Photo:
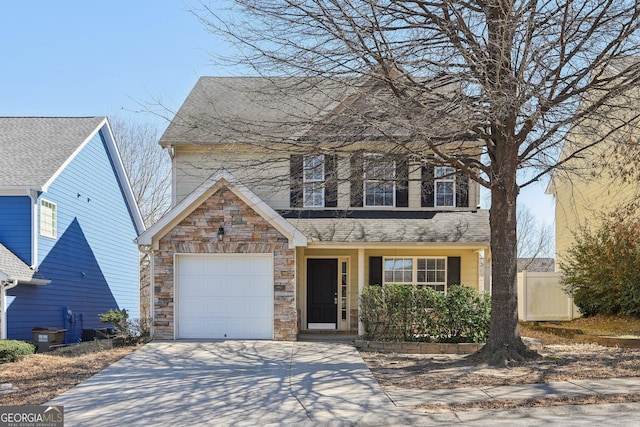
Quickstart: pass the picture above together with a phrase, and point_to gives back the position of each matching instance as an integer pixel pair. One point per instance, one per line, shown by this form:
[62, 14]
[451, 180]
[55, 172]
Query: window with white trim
[379, 181]
[48, 219]
[313, 176]
[445, 186]
[422, 271]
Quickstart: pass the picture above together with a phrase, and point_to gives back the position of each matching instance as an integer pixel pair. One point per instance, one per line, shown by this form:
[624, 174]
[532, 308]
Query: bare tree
[519, 76]
[147, 164]
[535, 239]
[149, 170]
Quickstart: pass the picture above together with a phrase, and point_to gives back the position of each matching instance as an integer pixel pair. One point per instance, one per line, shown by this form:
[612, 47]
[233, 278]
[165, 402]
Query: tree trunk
[504, 344]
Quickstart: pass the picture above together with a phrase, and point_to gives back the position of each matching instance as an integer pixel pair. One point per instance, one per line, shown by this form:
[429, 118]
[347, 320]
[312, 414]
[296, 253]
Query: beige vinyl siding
[581, 201]
[266, 174]
[469, 260]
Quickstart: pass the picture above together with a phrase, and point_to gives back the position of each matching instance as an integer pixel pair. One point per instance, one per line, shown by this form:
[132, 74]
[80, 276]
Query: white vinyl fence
[540, 297]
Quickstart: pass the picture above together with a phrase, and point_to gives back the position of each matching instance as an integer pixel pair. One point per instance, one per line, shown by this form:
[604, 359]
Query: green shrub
[601, 270]
[410, 313]
[464, 315]
[11, 350]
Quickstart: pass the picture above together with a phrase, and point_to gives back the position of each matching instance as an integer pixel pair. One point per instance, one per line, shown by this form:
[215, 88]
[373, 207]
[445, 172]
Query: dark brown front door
[322, 292]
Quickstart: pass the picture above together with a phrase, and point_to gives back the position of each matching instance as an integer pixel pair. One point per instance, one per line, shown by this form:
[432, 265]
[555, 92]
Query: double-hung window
[445, 186]
[379, 181]
[422, 271]
[48, 219]
[313, 177]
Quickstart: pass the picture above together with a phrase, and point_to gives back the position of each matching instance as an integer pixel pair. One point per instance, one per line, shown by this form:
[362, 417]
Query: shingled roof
[12, 268]
[242, 109]
[443, 227]
[34, 148]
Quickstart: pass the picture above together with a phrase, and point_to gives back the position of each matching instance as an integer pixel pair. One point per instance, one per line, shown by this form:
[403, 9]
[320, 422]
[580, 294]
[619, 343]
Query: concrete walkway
[575, 388]
[283, 383]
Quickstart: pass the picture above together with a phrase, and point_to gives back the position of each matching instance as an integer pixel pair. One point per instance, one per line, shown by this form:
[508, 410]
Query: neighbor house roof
[13, 268]
[468, 227]
[35, 148]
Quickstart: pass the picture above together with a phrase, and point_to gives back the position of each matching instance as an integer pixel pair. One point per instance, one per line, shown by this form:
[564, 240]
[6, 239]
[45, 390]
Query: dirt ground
[38, 378]
[561, 359]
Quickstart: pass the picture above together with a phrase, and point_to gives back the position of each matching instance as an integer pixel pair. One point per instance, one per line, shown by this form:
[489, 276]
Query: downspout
[174, 175]
[5, 285]
[34, 229]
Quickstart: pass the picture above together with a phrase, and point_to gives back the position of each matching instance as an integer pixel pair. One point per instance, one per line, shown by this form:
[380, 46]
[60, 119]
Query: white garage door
[224, 296]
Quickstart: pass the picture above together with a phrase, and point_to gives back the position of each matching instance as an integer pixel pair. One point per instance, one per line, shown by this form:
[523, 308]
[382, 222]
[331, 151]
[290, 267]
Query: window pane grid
[313, 181]
[426, 271]
[48, 219]
[379, 185]
[445, 186]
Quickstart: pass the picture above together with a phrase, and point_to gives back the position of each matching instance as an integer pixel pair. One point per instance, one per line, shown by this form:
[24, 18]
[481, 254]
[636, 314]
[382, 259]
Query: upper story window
[445, 186]
[424, 271]
[313, 177]
[379, 181]
[48, 219]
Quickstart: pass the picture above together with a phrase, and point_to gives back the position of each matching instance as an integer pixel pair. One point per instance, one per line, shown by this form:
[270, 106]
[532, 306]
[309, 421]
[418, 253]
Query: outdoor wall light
[220, 234]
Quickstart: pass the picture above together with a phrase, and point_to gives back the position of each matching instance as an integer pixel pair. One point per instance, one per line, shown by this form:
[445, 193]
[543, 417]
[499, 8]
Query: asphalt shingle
[34, 148]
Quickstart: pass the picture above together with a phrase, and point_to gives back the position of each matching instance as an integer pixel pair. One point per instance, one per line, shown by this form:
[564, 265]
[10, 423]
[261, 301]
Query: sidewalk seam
[306, 412]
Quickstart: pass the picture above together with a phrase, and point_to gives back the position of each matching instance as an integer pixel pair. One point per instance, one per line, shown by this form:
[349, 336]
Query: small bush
[410, 313]
[128, 332]
[12, 351]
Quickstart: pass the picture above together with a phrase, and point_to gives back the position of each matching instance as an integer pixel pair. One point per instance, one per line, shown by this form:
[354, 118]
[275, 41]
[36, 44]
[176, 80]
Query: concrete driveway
[232, 382]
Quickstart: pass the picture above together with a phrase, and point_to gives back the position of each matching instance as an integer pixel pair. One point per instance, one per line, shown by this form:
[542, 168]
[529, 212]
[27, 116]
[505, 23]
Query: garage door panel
[222, 296]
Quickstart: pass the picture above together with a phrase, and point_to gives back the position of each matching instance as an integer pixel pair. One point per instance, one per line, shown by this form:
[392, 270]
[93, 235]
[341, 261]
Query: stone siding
[245, 232]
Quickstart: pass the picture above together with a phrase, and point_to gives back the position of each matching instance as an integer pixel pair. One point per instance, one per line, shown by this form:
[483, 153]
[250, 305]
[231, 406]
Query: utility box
[46, 338]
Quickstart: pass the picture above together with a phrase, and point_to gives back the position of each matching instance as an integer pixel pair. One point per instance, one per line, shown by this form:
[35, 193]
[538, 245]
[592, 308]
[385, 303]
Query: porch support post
[487, 270]
[5, 285]
[360, 287]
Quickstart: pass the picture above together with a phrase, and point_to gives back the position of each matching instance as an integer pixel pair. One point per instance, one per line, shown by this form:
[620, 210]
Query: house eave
[315, 244]
[152, 236]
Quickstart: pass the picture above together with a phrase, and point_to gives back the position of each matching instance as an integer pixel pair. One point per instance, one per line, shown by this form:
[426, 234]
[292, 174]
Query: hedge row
[421, 314]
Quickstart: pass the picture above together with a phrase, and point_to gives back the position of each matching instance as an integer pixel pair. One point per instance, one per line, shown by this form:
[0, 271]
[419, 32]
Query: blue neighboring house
[68, 220]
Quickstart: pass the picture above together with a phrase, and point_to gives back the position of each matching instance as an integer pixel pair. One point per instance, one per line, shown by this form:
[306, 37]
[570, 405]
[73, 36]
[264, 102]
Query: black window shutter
[357, 176]
[402, 183]
[330, 182]
[453, 270]
[428, 190]
[375, 271]
[296, 190]
[462, 190]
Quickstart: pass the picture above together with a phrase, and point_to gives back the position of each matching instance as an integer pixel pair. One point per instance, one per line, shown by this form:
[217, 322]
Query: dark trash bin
[46, 338]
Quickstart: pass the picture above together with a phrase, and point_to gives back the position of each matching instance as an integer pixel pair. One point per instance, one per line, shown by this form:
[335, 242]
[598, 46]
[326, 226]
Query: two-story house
[284, 209]
[68, 220]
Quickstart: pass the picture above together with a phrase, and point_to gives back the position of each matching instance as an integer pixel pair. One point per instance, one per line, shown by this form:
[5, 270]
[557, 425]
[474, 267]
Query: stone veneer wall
[245, 232]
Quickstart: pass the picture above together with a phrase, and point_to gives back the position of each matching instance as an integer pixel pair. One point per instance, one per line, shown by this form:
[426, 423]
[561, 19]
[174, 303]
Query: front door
[322, 293]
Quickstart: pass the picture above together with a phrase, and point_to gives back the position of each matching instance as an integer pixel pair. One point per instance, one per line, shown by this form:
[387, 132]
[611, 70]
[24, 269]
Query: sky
[119, 58]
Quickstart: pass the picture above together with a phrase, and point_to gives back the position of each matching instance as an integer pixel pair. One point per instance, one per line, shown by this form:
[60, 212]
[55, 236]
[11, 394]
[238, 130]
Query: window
[445, 187]
[424, 271]
[48, 219]
[313, 181]
[379, 181]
